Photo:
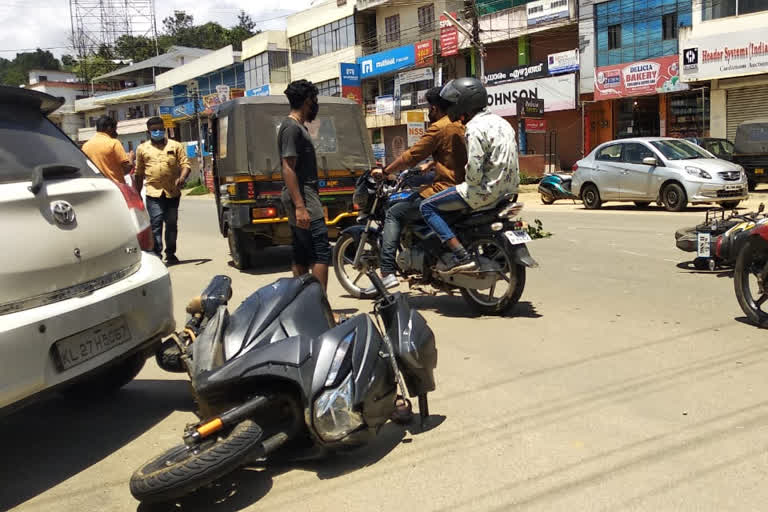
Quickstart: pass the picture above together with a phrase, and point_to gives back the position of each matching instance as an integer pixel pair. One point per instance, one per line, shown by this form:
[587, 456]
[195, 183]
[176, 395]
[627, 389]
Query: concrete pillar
[717, 111]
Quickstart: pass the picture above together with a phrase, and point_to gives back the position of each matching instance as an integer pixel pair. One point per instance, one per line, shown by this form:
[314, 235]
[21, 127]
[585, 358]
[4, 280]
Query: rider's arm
[475, 158]
[423, 148]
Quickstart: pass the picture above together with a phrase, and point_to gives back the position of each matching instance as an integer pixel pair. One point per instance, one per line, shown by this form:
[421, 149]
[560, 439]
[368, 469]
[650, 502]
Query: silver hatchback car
[672, 172]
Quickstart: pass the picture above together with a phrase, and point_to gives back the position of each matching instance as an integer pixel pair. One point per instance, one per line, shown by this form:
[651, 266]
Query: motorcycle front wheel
[749, 280]
[354, 280]
[182, 469]
[507, 290]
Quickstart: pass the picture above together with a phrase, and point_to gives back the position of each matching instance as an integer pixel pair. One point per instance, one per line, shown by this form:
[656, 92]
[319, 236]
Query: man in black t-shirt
[301, 197]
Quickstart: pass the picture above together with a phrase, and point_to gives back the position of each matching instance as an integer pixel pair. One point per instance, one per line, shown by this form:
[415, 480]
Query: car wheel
[591, 197]
[674, 196]
[642, 204]
[729, 205]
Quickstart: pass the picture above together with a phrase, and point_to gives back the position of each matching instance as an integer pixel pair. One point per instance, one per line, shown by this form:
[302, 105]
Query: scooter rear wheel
[182, 469]
[547, 199]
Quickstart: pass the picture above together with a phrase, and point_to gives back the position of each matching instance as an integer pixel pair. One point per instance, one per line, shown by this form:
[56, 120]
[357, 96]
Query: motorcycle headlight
[695, 171]
[334, 417]
[338, 359]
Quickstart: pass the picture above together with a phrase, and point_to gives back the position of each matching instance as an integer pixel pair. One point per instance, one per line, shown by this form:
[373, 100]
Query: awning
[111, 98]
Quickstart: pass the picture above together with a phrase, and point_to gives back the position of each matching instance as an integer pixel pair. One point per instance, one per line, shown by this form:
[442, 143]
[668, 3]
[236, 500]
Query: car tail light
[139, 215]
[575, 167]
[264, 213]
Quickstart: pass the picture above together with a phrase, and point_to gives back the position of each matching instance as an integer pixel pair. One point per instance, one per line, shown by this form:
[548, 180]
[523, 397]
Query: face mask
[157, 135]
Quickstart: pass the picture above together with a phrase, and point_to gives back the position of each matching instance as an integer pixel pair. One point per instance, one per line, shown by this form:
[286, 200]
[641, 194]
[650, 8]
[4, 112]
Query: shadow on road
[629, 207]
[269, 261]
[456, 307]
[197, 262]
[691, 269]
[51, 441]
[246, 486]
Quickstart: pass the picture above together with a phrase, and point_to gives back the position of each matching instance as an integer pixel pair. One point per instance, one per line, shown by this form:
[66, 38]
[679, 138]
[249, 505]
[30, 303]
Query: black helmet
[466, 95]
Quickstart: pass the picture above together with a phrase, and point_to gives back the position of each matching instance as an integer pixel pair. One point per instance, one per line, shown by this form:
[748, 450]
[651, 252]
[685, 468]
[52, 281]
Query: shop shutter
[744, 104]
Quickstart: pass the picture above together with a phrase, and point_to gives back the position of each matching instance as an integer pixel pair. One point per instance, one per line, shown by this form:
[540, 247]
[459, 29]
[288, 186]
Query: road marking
[671, 261]
[634, 253]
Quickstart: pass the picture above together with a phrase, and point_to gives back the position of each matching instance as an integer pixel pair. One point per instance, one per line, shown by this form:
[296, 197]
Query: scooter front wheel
[183, 469]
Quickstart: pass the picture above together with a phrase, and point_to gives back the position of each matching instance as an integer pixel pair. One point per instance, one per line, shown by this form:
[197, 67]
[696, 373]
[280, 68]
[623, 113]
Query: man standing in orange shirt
[107, 152]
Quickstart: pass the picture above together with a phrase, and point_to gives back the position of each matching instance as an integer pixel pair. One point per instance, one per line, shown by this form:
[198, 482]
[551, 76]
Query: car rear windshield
[28, 140]
[679, 150]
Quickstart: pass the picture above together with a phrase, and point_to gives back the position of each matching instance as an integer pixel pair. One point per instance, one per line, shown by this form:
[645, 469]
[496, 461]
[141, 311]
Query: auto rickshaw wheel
[239, 248]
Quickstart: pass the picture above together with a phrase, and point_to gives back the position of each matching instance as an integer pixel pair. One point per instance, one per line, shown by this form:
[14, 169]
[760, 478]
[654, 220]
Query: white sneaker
[390, 281]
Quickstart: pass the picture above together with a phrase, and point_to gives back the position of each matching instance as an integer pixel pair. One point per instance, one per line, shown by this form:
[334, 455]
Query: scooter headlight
[334, 417]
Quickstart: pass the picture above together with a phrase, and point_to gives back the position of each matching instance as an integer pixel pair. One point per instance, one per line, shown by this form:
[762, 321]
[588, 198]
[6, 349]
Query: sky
[46, 23]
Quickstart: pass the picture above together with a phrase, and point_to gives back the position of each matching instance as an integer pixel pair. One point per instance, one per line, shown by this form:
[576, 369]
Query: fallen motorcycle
[750, 276]
[556, 186]
[278, 372]
[719, 238]
[493, 235]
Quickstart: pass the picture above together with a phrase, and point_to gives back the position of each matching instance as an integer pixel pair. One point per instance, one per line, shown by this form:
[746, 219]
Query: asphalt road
[622, 381]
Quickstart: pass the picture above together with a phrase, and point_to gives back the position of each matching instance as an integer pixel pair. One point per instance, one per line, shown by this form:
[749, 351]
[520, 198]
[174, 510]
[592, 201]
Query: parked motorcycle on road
[750, 276]
[556, 186]
[493, 235]
[278, 372]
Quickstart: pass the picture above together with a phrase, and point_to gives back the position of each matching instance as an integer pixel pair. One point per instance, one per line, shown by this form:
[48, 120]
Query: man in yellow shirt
[163, 167]
[107, 152]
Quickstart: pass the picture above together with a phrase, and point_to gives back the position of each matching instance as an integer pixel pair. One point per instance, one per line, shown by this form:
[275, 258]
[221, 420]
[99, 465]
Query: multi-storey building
[266, 60]
[65, 85]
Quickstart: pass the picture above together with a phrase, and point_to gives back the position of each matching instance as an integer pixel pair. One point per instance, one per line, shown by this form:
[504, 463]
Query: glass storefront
[688, 114]
[637, 117]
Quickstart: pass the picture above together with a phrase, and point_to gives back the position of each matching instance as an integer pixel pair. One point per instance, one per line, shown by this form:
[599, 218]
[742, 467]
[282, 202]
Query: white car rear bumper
[143, 300]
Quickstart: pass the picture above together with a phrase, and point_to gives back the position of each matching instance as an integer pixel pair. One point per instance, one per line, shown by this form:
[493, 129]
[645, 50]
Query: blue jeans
[448, 200]
[164, 210]
[397, 216]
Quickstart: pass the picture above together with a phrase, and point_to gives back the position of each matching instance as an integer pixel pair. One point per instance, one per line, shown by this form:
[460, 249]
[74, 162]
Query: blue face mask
[157, 135]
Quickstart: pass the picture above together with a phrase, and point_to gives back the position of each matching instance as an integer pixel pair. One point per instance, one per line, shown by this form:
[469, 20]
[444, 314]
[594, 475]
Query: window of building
[42, 78]
[321, 40]
[669, 26]
[392, 28]
[329, 87]
[614, 37]
[427, 18]
[266, 67]
[713, 9]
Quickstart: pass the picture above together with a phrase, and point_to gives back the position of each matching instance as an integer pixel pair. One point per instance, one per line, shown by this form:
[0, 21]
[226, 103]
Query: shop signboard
[424, 53]
[543, 11]
[725, 55]
[415, 125]
[187, 109]
[558, 93]
[166, 114]
[379, 151]
[350, 82]
[530, 107]
[563, 62]
[258, 91]
[535, 125]
[449, 37]
[385, 105]
[650, 76]
[223, 93]
[516, 74]
[387, 61]
[415, 75]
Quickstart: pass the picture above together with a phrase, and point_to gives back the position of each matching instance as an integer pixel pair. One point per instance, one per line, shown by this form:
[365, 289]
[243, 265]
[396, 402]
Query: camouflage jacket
[492, 168]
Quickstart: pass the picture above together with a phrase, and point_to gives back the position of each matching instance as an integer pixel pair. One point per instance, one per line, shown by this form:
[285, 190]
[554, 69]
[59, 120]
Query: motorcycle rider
[444, 141]
[491, 171]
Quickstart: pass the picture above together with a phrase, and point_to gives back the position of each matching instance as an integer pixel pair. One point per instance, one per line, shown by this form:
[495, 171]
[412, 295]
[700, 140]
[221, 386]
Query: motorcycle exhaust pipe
[231, 417]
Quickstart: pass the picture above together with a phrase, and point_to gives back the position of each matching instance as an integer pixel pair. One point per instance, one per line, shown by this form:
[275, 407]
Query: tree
[245, 22]
[179, 22]
[15, 72]
[136, 48]
[68, 60]
[242, 31]
[92, 66]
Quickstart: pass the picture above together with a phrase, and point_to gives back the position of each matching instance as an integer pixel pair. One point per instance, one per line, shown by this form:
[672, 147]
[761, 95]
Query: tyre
[490, 302]
[591, 197]
[239, 248]
[749, 280]
[110, 380]
[729, 205]
[642, 204]
[168, 357]
[354, 280]
[547, 199]
[674, 197]
[181, 470]
[751, 185]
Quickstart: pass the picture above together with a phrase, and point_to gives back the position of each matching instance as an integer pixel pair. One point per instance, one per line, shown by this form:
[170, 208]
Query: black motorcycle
[493, 235]
[279, 373]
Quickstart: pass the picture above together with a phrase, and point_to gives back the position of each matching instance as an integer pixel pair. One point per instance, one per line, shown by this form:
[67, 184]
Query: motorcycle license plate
[517, 237]
[702, 246]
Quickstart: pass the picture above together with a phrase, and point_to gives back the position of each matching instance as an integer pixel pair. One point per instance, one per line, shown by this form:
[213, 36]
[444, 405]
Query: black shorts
[311, 245]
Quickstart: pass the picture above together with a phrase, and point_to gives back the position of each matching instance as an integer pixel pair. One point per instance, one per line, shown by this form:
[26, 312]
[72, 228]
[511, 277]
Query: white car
[672, 172]
[82, 301]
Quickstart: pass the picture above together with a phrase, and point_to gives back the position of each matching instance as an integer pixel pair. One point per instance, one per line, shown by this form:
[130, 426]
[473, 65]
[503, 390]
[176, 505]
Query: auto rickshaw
[247, 169]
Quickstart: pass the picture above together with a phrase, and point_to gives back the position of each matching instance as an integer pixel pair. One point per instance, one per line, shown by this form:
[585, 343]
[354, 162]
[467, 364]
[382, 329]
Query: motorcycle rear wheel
[750, 263]
[514, 274]
[354, 280]
[181, 470]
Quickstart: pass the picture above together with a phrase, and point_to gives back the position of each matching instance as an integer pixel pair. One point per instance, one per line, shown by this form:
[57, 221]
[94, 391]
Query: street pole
[199, 135]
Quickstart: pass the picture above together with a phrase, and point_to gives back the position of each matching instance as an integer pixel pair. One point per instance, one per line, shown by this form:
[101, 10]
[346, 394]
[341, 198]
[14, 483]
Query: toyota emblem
[63, 213]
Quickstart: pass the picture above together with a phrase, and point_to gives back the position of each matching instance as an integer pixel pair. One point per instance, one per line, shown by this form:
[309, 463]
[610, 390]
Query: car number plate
[733, 187]
[517, 237]
[759, 171]
[703, 244]
[79, 348]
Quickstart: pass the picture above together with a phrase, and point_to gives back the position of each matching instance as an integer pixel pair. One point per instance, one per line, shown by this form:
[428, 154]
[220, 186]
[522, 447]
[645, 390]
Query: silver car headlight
[695, 171]
[334, 417]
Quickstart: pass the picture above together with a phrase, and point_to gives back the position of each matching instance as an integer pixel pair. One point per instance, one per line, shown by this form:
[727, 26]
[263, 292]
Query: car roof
[642, 139]
[45, 103]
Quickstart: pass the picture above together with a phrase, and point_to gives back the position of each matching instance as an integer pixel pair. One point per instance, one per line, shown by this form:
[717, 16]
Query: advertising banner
[530, 107]
[350, 82]
[725, 55]
[638, 78]
[563, 62]
[424, 53]
[558, 93]
[543, 11]
[415, 124]
[415, 75]
[166, 114]
[258, 91]
[516, 74]
[385, 105]
[535, 125]
[449, 37]
[387, 61]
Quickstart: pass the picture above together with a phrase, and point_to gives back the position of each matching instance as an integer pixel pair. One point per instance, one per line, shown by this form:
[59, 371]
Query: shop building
[64, 85]
[630, 82]
[726, 53]
[266, 61]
